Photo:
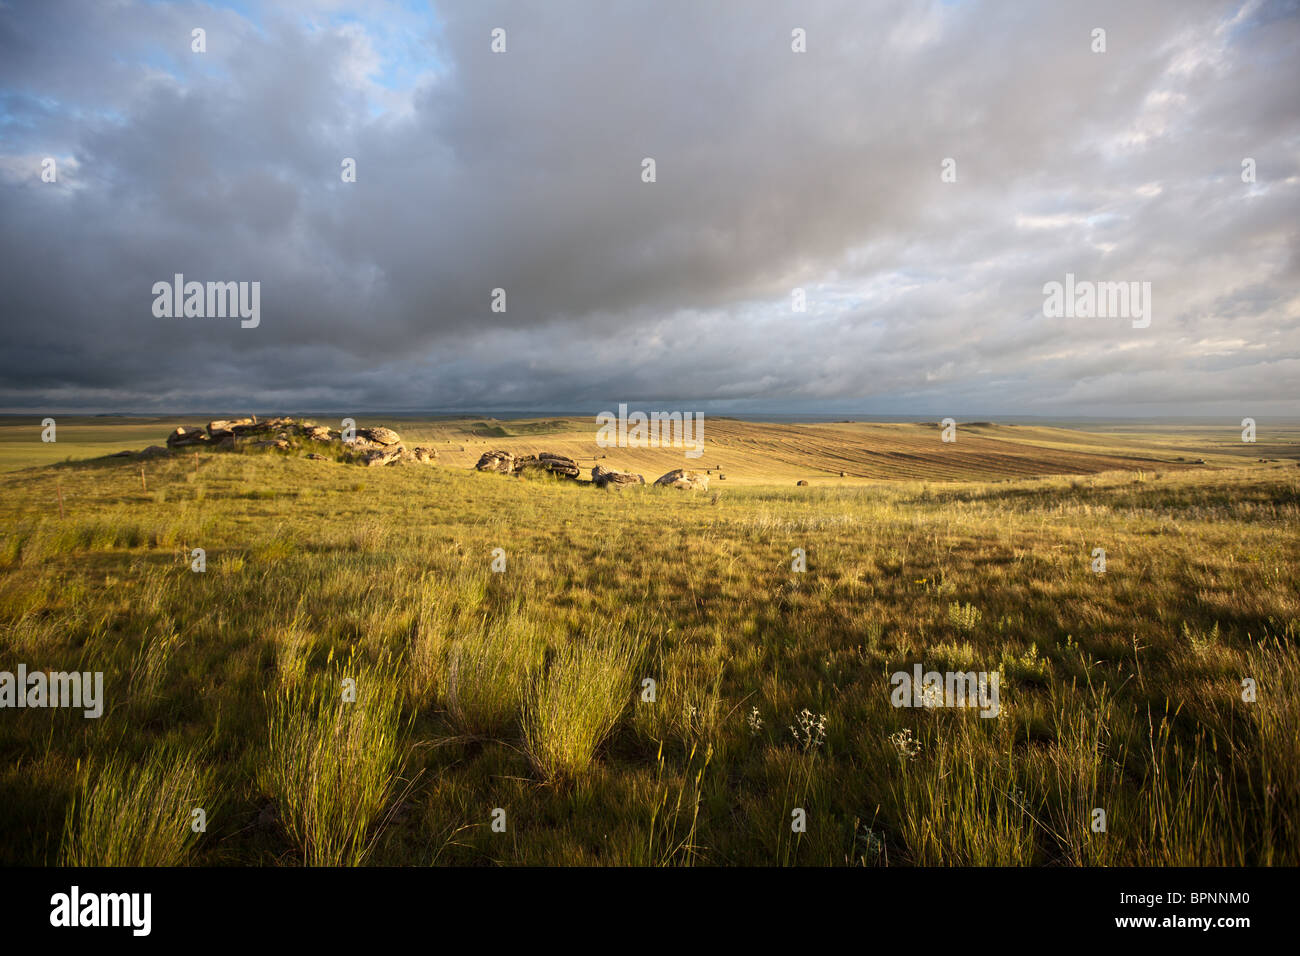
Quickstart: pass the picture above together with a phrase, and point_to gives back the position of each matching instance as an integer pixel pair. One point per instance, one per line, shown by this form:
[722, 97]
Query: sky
[775, 169]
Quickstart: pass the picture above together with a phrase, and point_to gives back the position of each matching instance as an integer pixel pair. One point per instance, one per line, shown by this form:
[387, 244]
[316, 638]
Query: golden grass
[333, 763]
[138, 814]
[575, 702]
[476, 689]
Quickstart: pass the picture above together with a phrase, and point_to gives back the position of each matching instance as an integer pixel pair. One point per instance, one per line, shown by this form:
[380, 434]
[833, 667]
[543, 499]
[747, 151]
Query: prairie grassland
[750, 453]
[81, 436]
[523, 690]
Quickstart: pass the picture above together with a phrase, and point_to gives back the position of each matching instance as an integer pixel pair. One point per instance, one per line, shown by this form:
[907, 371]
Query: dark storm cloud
[775, 170]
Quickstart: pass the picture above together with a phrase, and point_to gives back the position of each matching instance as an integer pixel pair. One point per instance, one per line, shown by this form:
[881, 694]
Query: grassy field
[516, 697]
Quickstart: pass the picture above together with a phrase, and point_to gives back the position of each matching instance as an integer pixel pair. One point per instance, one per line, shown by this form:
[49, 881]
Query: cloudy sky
[775, 170]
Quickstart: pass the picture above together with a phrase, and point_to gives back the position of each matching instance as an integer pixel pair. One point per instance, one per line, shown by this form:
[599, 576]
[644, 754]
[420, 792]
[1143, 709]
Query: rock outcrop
[420, 455]
[183, 437]
[500, 461]
[382, 456]
[223, 428]
[508, 464]
[380, 435]
[560, 465]
[603, 477]
[372, 446]
[686, 480]
[252, 428]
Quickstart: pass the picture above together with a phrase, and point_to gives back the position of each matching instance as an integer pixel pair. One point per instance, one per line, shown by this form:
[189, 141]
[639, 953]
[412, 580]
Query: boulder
[508, 464]
[382, 456]
[317, 433]
[559, 465]
[686, 480]
[315, 457]
[603, 477]
[554, 464]
[499, 461]
[279, 444]
[183, 436]
[380, 435]
[420, 456]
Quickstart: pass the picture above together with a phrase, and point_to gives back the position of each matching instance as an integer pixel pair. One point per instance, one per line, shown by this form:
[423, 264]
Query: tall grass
[138, 814]
[688, 704]
[959, 802]
[1201, 572]
[443, 612]
[671, 837]
[1191, 813]
[333, 765]
[489, 666]
[1081, 771]
[576, 702]
[294, 645]
[1276, 750]
[149, 669]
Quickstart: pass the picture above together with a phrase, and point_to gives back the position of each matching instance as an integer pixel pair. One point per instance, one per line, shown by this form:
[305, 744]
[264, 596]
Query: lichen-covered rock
[603, 477]
[557, 464]
[508, 464]
[499, 461]
[380, 435]
[685, 480]
[420, 455]
[382, 456]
